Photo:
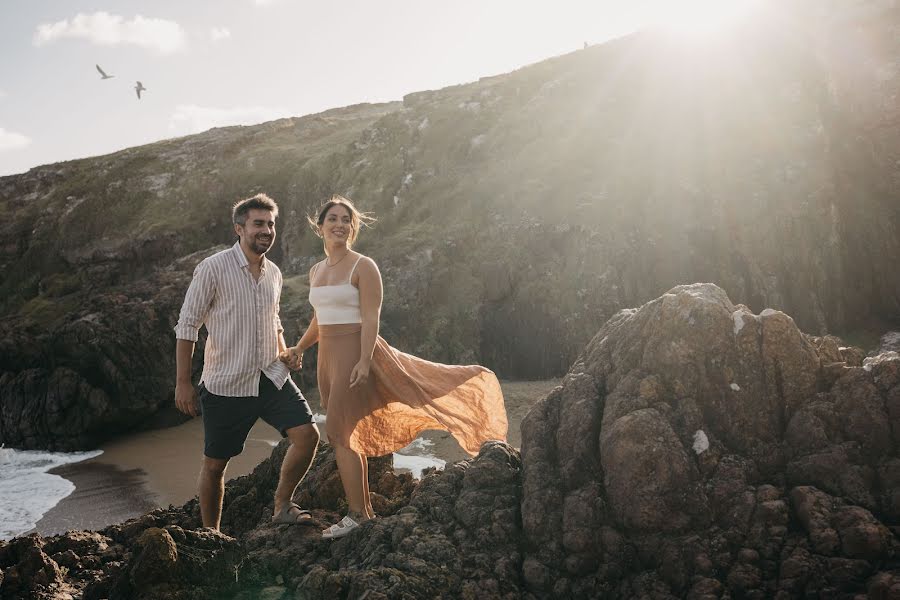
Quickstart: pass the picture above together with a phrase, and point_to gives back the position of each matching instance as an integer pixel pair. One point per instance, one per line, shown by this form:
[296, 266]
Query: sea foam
[415, 458]
[27, 490]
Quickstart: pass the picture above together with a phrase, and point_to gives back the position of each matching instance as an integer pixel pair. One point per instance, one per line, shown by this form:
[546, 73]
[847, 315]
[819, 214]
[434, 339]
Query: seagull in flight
[139, 88]
[103, 73]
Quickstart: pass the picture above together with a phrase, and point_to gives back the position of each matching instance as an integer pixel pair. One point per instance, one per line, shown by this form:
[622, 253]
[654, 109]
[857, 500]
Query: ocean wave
[415, 457]
[27, 490]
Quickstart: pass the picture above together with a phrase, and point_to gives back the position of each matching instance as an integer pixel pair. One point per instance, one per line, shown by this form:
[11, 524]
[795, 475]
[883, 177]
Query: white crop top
[336, 304]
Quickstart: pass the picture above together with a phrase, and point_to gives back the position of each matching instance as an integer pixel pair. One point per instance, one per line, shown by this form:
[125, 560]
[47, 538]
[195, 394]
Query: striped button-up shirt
[241, 318]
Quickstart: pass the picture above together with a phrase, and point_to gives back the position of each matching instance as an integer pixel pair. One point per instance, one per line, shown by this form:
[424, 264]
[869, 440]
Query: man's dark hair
[260, 201]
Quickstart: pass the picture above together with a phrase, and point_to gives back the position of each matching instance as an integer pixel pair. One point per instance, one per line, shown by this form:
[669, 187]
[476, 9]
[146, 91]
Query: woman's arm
[310, 336]
[370, 296]
[293, 356]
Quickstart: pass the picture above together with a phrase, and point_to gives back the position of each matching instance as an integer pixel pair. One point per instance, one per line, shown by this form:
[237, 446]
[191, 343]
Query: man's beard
[261, 246]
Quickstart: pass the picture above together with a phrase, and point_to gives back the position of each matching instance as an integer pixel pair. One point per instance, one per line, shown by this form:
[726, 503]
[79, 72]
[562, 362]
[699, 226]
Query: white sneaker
[340, 529]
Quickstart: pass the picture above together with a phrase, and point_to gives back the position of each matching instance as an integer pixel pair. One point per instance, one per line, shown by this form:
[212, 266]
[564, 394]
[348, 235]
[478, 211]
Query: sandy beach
[152, 469]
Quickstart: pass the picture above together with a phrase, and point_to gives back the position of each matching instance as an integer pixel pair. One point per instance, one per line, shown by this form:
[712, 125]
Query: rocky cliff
[516, 214]
[694, 450]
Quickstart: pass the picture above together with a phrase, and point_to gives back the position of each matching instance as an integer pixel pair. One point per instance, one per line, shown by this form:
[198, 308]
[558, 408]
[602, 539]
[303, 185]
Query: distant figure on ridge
[139, 88]
[379, 399]
[103, 73]
[236, 293]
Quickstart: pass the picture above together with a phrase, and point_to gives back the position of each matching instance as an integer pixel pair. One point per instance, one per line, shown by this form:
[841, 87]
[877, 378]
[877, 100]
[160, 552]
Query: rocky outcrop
[105, 368]
[695, 450]
[454, 534]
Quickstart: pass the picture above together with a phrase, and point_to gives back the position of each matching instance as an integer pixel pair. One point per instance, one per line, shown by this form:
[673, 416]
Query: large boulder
[696, 448]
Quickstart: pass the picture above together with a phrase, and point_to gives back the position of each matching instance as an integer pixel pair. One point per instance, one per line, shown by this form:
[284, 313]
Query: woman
[376, 398]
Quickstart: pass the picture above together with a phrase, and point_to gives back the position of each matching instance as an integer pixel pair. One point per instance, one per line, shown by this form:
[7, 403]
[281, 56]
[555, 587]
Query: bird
[103, 73]
[139, 88]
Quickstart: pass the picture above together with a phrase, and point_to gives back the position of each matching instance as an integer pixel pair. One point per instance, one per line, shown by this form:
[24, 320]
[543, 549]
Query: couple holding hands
[376, 398]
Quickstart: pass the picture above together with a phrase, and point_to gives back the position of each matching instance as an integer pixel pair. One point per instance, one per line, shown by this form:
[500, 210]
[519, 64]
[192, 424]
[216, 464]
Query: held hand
[186, 399]
[292, 357]
[360, 374]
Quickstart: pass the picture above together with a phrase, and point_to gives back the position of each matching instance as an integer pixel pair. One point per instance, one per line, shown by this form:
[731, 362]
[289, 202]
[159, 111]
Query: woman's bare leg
[353, 478]
[370, 512]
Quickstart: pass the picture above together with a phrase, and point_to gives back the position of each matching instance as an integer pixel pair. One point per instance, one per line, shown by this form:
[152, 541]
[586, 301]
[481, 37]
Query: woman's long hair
[357, 218]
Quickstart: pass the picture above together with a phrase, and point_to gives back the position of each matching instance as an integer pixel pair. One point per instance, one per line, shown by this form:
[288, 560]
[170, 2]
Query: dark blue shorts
[227, 419]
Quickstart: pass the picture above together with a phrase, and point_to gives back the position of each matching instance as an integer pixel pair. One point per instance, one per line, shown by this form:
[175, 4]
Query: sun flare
[701, 17]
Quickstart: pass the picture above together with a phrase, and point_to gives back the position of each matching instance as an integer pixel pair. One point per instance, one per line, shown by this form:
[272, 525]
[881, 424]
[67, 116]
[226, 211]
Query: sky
[228, 62]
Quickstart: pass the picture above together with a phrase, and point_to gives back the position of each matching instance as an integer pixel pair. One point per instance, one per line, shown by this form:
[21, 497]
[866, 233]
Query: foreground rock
[695, 450]
[455, 533]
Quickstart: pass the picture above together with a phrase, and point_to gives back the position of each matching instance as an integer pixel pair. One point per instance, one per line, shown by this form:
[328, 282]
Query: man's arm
[196, 305]
[279, 328]
[185, 395]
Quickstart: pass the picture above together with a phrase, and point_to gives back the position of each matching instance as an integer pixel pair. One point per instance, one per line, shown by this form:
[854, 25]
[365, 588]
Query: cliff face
[694, 450]
[516, 214]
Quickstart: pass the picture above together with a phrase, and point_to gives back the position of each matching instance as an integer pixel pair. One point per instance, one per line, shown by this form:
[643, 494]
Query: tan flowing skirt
[403, 396]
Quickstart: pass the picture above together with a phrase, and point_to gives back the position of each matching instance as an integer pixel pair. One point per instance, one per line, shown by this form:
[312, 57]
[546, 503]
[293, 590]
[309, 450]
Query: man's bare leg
[297, 459]
[212, 490]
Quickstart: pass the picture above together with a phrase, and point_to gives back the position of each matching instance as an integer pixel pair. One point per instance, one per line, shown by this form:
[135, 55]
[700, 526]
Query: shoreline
[104, 494]
[144, 471]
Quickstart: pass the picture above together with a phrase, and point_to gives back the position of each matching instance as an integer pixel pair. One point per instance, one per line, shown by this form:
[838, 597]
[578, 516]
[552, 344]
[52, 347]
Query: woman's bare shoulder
[365, 262]
[366, 267]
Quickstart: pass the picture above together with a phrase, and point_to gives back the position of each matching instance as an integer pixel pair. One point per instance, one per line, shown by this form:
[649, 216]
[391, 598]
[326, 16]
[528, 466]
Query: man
[236, 294]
